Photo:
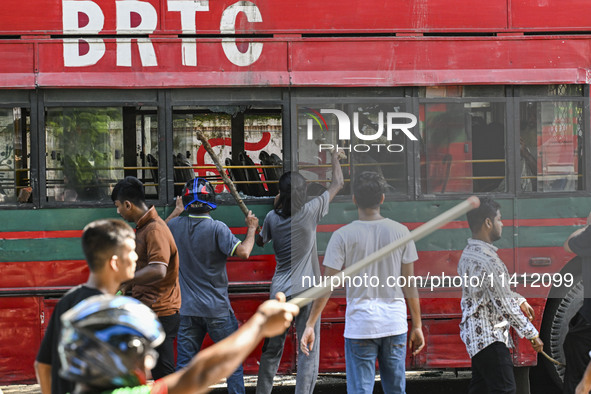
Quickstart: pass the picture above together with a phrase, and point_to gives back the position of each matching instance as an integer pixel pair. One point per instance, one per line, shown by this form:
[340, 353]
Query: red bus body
[363, 44]
[148, 45]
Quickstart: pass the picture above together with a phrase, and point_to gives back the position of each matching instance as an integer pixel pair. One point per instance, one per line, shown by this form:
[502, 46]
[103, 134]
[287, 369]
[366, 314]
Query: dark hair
[129, 189]
[292, 194]
[102, 239]
[488, 209]
[368, 188]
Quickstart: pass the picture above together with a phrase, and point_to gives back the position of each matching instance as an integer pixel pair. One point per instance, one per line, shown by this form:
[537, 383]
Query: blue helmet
[108, 341]
[199, 190]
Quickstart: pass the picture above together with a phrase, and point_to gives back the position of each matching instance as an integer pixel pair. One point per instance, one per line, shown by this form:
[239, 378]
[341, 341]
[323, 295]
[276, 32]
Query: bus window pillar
[129, 141]
[237, 136]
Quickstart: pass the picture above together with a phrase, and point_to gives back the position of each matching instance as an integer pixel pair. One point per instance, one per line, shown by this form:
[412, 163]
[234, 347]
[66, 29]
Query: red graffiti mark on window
[248, 146]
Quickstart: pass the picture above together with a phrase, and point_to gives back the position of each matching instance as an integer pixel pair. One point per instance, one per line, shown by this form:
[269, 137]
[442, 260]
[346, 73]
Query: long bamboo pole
[222, 172]
[425, 229]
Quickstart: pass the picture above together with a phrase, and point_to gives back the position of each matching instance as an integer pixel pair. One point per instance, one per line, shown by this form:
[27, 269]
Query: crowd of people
[175, 271]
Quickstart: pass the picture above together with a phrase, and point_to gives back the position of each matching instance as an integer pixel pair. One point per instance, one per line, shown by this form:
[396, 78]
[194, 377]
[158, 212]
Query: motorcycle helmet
[108, 341]
[199, 190]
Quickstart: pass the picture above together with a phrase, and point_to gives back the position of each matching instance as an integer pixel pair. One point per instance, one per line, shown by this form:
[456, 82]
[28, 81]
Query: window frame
[98, 98]
[336, 96]
[10, 99]
[584, 99]
[508, 149]
[164, 100]
[225, 97]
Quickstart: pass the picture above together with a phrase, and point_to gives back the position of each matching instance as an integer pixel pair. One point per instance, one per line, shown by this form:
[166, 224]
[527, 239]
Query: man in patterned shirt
[489, 309]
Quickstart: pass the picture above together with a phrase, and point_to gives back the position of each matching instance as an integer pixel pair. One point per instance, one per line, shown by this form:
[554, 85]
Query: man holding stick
[204, 245]
[488, 310]
[375, 321]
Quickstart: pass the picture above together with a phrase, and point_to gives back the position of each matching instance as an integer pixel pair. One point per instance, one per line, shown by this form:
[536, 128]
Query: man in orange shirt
[156, 280]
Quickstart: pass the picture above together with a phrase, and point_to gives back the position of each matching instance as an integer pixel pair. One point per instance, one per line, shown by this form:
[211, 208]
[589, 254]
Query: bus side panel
[19, 71]
[245, 305]
[43, 273]
[332, 347]
[523, 353]
[443, 345]
[550, 15]
[45, 17]
[270, 69]
[20, 336]
[258, 269]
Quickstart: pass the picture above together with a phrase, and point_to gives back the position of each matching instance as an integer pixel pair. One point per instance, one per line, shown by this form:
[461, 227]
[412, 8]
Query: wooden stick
[222, 172]
[312, 293]
[552, 360]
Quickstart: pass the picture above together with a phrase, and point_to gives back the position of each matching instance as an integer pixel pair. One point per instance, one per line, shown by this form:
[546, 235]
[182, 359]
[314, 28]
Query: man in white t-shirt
[375, 321]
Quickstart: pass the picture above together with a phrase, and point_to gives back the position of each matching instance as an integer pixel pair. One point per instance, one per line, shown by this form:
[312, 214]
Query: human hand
[582, 388]
[179, 206]
[338, 155]
[416, 340]
[307, 341]
[251, 220]
[527, 310]
[278, 315]
[537, 344]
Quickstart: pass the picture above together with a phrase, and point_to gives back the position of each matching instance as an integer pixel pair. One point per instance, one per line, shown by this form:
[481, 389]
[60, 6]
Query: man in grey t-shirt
[292, 228]
[204, 244]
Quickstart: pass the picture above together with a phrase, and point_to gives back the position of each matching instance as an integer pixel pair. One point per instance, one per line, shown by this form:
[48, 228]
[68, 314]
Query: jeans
[307, 367]
[360, 359]
[165, 364]
[492, 371]
[191, 334]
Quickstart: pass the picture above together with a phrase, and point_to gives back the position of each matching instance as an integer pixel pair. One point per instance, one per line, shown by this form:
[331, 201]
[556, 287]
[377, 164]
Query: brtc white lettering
[227, 26]
[188, 10]
[74, 56]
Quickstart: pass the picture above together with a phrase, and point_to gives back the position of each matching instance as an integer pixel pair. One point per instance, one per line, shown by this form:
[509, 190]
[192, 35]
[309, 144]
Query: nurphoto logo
[402, 121]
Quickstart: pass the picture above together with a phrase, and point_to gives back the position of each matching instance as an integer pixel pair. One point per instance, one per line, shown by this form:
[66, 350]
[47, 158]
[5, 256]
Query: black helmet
[108, 341]
[199, 190]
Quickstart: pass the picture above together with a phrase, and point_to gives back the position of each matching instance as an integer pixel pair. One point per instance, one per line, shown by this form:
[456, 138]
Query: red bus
[91, 91]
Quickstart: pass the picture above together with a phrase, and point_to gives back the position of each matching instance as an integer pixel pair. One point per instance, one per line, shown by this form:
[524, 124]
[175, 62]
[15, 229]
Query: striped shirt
[491, 307]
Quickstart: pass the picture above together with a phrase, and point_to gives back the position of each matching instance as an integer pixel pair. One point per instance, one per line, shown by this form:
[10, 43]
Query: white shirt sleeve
[335, 252]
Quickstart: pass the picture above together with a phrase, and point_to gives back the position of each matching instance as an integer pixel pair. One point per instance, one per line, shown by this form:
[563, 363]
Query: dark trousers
[492, 371]
[577, 344]
[166, 364]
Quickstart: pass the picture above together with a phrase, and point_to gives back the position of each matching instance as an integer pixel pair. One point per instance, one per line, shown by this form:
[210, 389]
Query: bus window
[551, 143]
[83, 152]
[248, 141]
[14, 156]
[263, 139]
[463, 147]
[141, 147]
[88, 149]
[367, 143]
